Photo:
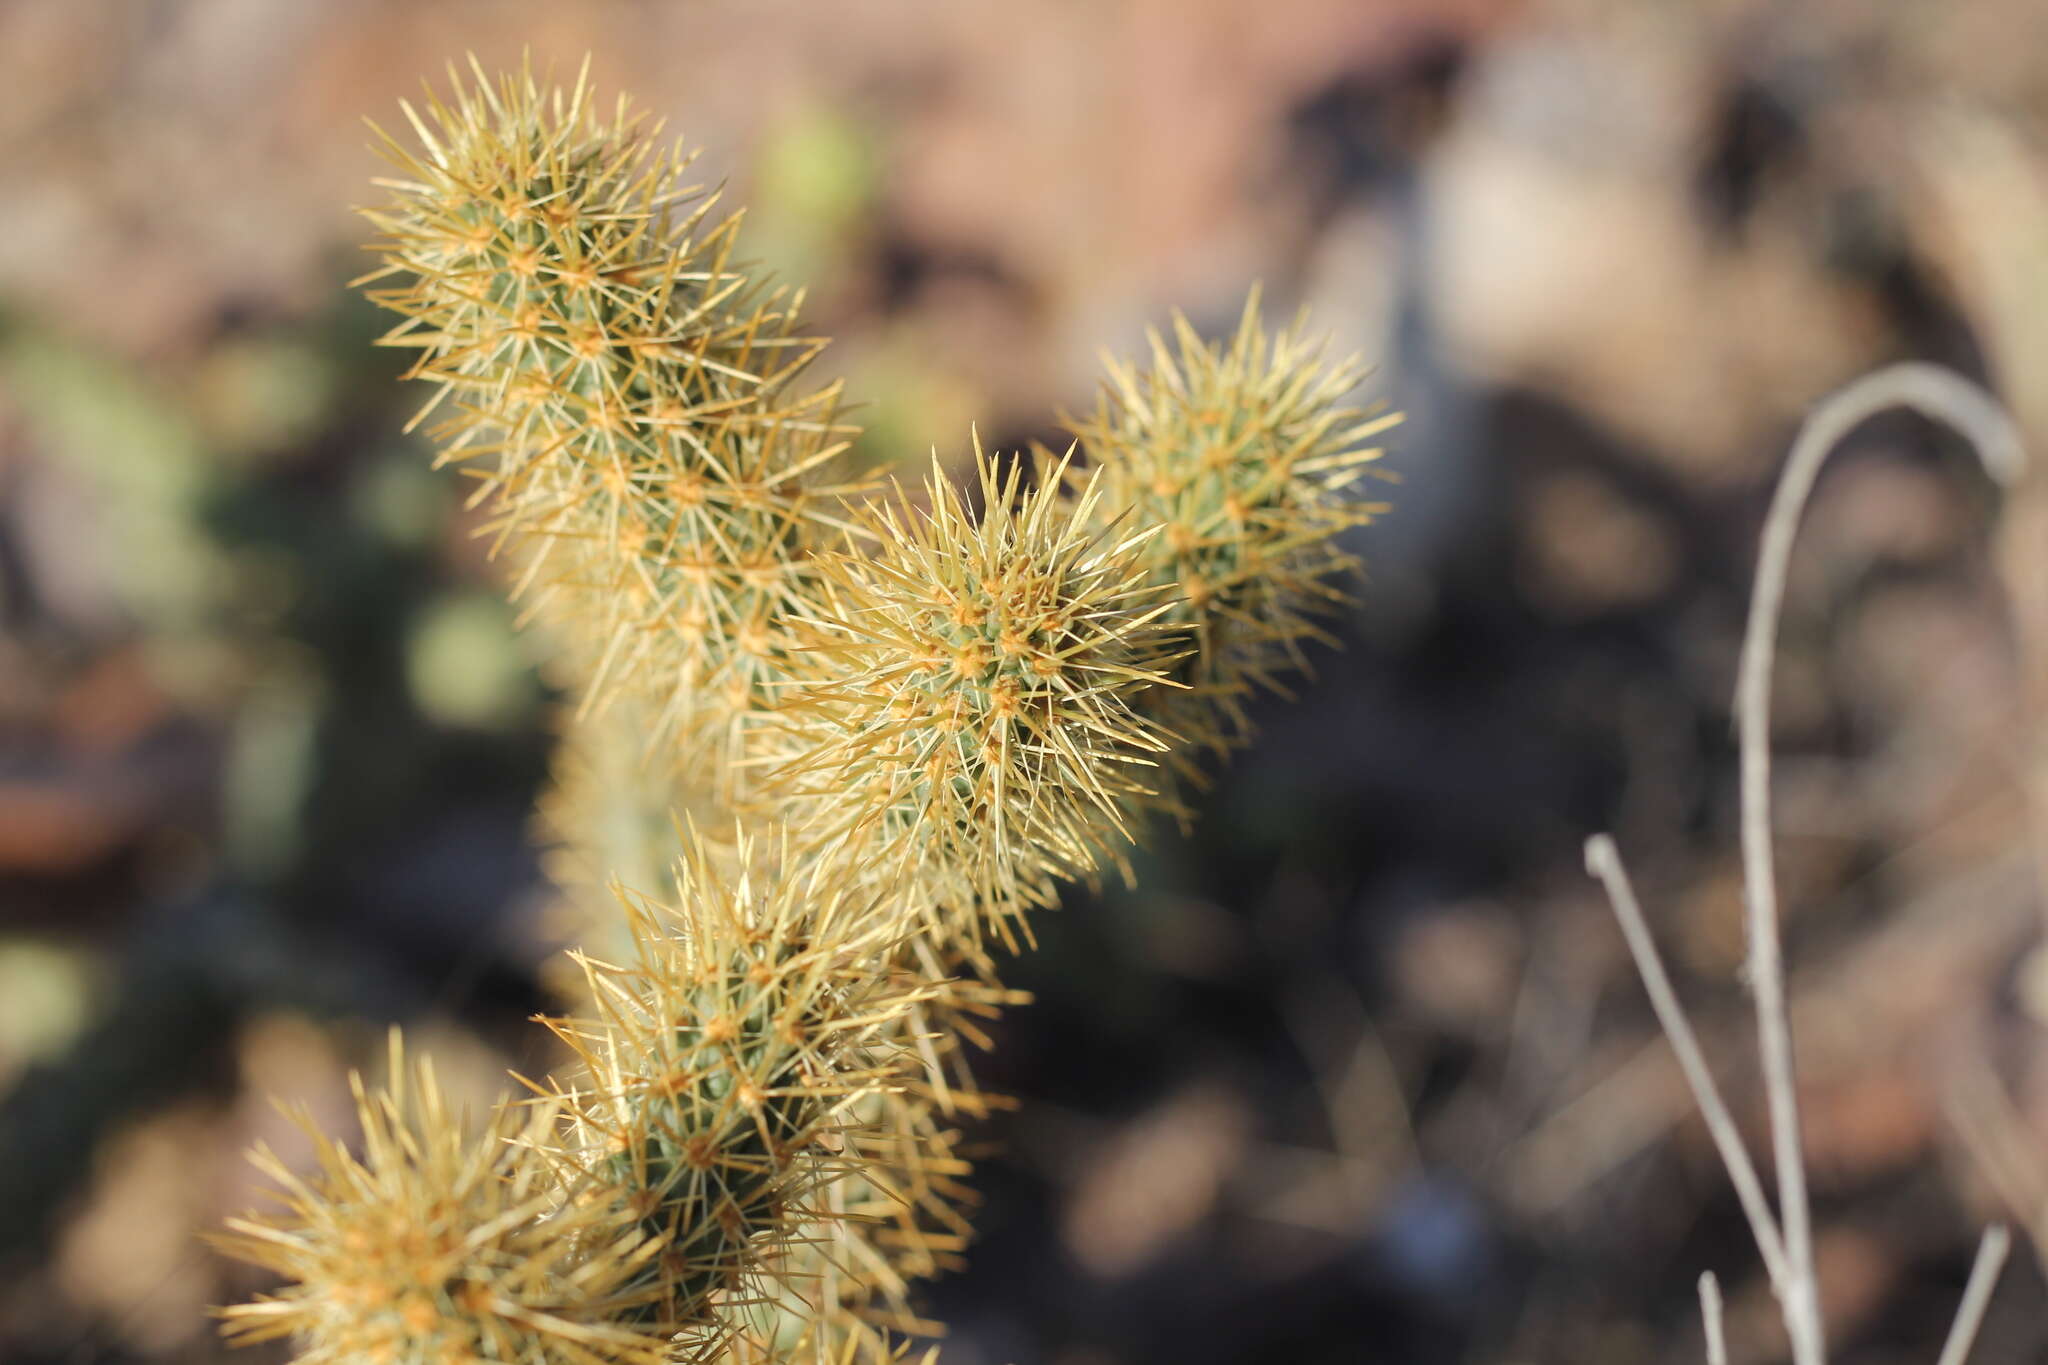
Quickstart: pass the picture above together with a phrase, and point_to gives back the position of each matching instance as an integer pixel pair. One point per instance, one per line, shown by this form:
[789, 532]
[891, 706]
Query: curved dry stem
[1945, 397]
[1786, 1243]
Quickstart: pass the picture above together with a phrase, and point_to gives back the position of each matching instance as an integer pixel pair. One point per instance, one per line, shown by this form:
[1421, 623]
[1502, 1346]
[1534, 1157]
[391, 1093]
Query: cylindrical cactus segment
[723, 1069]
[1247, 458]
[966, 700]
[620, 387]
[441, 1243]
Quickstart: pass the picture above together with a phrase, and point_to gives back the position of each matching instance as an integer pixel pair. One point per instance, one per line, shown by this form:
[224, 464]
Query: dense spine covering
[969, 706]
[443, 1244]
[1245, 457]
[861, 738]
[621, 390]
[719, 1072]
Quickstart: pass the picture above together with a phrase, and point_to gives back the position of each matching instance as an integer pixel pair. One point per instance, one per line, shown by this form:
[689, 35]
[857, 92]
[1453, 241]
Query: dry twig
[1976, 1295]
[1710, 1314]
[1786, 1242]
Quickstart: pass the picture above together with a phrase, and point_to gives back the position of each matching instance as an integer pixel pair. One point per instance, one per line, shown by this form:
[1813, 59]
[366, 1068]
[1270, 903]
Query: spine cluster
[834, 746]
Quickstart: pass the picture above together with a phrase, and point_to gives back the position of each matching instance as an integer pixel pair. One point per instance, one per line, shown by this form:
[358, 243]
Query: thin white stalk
[1946, 397]
[1603, 860]
[1710, 1314]
[1786, 1242]
[1962, 1335]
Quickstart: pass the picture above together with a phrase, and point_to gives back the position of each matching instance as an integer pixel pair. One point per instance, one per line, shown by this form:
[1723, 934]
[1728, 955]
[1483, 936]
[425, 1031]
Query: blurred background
[1360, 1073]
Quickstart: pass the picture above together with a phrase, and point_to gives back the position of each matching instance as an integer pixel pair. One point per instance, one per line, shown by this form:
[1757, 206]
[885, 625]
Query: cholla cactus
[443, 1244]
[903, 722]
[1245, 458]
[971, 703]
[623, 393]
[719, 1072]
